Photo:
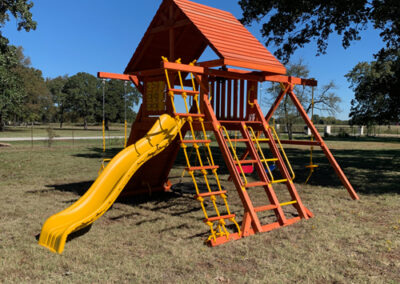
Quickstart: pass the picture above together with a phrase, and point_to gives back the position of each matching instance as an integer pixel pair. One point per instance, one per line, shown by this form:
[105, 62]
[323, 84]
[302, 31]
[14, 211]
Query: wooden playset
[217, 98]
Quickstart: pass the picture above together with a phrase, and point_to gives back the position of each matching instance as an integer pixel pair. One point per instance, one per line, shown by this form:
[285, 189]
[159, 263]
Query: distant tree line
[317, 119]
[27, 97]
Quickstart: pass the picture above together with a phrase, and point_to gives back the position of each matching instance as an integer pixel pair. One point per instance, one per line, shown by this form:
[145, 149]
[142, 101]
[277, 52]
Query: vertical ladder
[217, 223]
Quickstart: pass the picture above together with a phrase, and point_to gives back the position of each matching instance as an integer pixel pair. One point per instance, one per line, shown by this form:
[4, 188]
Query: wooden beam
[123, 77]
[234, 75]
[175, 25]
[182, 67]
[212, 63]
[106, 75]
[323, 146]
[150, 73]
[290, 79]
[255, 66]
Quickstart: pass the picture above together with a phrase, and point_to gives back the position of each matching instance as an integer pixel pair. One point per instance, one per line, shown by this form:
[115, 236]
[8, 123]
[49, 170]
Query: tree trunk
[290, 131]
[106, 125]
[61, 118]
[1, 122]
[85, 123]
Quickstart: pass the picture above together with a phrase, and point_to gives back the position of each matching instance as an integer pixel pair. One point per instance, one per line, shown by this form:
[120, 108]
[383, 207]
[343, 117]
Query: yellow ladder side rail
[234, 154]
[195, 145]
[184, 147]
[210, 155]
[221, 224]
[283, 152]
[221, 229]
[262, 153]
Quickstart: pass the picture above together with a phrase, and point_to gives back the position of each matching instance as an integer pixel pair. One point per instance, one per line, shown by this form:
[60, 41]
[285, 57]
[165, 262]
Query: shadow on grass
[97, 153]
[362, 139]
[172, 203]
[369, 171]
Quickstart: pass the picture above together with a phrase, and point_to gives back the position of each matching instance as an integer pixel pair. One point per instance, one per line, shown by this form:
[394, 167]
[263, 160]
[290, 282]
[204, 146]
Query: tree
[114, 102]
[376, 86]
[325, 100]
[37, 105]
[60, 99]
[11, 91]
[10, 88]
[81, 91]
[292, 24]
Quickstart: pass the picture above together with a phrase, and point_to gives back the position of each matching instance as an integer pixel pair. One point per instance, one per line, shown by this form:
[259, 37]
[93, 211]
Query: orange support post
[323, 146]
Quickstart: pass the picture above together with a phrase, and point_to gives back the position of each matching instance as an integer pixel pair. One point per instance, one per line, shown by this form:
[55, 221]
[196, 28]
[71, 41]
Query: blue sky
[101, 35]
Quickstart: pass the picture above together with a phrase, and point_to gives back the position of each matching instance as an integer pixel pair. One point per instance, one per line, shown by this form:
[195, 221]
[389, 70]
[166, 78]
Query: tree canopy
[11, 91]
[292, 24]
[81, 91]
[20, 10]
[37, 103]
[60, 99]
[116, 95]
[376, 86]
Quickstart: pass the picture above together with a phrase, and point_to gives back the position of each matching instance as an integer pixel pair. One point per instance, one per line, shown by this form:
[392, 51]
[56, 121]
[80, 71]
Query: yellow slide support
[107, 187]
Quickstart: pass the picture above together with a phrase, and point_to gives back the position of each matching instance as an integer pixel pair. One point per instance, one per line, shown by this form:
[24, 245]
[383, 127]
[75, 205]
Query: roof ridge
[204, 6]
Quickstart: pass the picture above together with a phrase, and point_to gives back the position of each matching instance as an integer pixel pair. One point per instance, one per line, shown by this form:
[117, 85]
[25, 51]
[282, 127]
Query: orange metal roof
[220, 30]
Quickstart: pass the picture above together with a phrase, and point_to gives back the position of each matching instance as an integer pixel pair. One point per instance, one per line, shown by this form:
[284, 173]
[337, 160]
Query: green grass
[160, 238]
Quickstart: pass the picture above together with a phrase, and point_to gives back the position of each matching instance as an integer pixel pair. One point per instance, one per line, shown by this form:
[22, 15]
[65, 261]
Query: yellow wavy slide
[107, 187]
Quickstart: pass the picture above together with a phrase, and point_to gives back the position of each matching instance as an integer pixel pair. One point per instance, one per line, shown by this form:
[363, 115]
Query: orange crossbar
[123, 77]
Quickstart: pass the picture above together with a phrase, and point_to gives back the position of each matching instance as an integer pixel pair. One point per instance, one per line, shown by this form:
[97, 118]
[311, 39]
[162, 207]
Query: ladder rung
[242, 162]
[202, 168]
[217, 218]
[312, 166]
[265, 208]
[206, 194]
[261, 139]
[288, 203]
[189, 114]
[279, 181]
[238, 140]
[270, 160]
[188, 92]
[257, 183]
[195, 141]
